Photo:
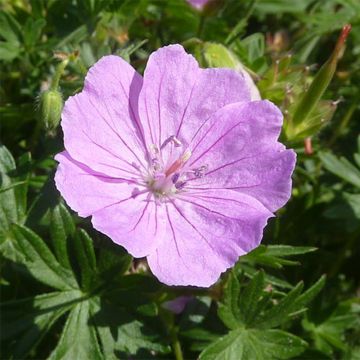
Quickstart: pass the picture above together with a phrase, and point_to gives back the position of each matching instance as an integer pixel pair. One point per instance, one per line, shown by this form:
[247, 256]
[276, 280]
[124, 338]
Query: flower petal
[128, 219]
[208, 231]
[138, 224]
[177, 96]
[85, 190]
[239, 146]
[101, 125]
[254, 91]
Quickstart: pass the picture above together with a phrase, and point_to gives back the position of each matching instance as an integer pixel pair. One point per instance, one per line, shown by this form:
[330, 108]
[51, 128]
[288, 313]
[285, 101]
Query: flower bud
[207, 7]
[303, 118]
[50, 107]
[218, 56]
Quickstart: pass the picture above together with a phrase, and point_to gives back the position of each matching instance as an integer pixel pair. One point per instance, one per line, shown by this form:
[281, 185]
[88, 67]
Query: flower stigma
[166, 178]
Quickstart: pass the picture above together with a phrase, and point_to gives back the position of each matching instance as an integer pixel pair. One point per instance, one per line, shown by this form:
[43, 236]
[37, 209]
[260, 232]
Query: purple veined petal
[136, 223]
[208, 232]
[267, 177]
[101, 125]
[239, 146]
[177, 96]
[119, 209]
[85, 190]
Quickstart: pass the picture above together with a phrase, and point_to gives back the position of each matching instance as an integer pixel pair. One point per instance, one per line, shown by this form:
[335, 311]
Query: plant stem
[343, 123]
[201, 26]
[177, 347]
[58, 73]
[168, 320]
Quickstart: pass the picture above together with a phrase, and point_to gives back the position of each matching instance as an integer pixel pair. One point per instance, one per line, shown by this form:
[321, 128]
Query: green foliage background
[68, 293]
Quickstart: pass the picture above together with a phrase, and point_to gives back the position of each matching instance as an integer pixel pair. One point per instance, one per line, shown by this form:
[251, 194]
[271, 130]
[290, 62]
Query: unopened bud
[218, 56]
[303, 118]
[50, 107]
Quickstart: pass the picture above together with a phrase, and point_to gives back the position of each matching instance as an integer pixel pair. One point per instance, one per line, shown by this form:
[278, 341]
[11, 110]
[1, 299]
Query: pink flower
[178, 304]
[178, 166]
[198, 4]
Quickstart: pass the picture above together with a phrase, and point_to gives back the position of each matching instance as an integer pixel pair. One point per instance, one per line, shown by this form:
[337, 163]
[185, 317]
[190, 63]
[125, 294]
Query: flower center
[168, 170]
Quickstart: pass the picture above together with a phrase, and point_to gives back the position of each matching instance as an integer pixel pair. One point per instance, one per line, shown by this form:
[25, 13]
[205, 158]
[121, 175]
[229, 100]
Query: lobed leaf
[255, 344]
[341, 167]
[29, 320]
[61, 228]
[37, 259]
[78, 339]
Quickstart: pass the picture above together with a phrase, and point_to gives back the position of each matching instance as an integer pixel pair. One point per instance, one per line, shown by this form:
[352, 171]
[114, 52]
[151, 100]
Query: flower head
[178, 166]
[198, 4]
[178, 304]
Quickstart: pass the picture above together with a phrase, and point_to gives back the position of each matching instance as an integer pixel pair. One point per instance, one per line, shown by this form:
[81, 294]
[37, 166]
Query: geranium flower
[178, 166]
[198, 4]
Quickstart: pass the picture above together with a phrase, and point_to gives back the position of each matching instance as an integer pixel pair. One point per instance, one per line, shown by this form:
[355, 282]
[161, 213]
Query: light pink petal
[85, 190]
[137, 224]
[208, 231]
[119, 209]
[101, 126]
[177, 96]
[240, 149]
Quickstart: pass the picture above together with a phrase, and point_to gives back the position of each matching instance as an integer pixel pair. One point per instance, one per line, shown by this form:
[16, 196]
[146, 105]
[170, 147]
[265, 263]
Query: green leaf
[133, 291]
[249, 271]
[113, 261]
[287, 250]
[78, 339]
[133, 336]
[346, 210]
[78, 35]
[341, 167]
[229, 311]
[126, 52]
[357, 155]
[272, 255]
[39, 261]
[13, 198]
[120, 331]
[254, 45]
[280, 344]
[245, 344]
[310, 293]
[280, 6]
[9, 51]
[251, 298]
[32, 31]
[29, 320]
[330, 333]
[240, 27]
[8, 209]
[279, 313]
[10, 29]
[22, 178]
[61, 228]
[86, 259]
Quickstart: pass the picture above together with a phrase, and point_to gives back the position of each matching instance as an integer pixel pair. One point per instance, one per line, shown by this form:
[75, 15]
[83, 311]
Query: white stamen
[186, 156]
[172, 139]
